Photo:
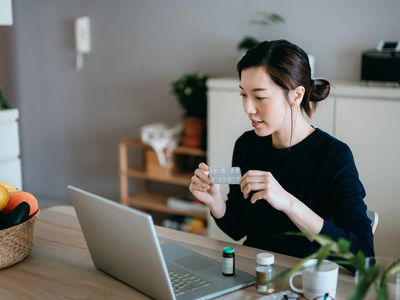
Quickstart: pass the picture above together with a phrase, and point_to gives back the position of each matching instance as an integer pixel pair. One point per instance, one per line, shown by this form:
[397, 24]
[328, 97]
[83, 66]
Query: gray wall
[72, 121]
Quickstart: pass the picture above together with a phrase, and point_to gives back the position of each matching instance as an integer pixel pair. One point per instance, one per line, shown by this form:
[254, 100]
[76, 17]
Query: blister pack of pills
[228, 175]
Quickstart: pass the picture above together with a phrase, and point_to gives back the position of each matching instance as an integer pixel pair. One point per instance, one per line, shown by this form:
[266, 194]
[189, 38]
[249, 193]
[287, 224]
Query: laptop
[123, 243]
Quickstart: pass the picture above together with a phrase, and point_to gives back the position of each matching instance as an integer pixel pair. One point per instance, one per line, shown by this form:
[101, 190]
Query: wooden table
[60, 267]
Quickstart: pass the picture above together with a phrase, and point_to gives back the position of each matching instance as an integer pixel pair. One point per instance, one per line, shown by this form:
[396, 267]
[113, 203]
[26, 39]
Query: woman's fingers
[258, 196]
[199, 184]
[203, 167]
[202, 175]
[206, 192]
[200, 195]
[256, 173]
[254, 181]
[255, 176]
[200, 181]
[251, 187]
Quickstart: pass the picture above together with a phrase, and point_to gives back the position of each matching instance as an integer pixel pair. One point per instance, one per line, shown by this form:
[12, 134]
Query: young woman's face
[264, 101]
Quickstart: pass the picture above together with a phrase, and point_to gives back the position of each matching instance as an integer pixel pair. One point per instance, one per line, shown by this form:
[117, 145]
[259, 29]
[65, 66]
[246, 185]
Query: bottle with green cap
[228, 261]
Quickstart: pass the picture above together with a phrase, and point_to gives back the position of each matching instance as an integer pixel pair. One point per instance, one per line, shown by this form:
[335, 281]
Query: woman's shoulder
[329, 139]
[332, 146]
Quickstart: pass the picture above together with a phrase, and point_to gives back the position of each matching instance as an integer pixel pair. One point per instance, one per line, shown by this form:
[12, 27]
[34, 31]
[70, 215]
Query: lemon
[4, 197]
[10, 187]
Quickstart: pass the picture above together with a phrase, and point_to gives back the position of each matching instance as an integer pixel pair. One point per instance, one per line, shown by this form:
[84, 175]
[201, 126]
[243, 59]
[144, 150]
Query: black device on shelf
[380, 66]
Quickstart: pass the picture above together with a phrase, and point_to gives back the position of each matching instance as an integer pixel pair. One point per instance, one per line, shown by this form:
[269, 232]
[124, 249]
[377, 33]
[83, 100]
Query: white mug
[317, 282]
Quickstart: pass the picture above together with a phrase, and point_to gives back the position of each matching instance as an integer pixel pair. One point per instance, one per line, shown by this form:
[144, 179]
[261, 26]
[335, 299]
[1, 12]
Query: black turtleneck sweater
[319, 171]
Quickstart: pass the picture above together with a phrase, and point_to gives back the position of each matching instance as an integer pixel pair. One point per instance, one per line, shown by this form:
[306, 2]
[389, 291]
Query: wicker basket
[16, 242]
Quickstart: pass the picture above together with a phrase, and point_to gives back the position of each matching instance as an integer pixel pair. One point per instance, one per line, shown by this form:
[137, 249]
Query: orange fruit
[18, 197]
[4, 197]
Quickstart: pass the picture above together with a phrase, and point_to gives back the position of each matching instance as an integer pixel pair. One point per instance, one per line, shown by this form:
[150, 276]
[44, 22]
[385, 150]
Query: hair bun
[320, 89]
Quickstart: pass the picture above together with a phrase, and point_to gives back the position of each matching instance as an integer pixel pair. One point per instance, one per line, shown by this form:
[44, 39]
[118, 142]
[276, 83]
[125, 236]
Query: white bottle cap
[265, 258]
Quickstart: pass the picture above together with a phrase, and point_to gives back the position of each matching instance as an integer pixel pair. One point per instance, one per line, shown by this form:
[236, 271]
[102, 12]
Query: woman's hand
[265, 187]
[206, 192]
[268, 188]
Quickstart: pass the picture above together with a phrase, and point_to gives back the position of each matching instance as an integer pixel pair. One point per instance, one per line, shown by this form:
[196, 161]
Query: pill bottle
[265, 272]
[228, 261]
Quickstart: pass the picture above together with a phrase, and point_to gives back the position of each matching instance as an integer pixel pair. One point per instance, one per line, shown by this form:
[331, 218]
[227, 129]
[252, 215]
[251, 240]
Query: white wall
[71, 121]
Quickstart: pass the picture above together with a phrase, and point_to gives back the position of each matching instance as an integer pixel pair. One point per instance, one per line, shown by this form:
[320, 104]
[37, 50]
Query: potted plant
[191, 92]
[247, 43]
[375, 275]
[264, 19]
[4, 104]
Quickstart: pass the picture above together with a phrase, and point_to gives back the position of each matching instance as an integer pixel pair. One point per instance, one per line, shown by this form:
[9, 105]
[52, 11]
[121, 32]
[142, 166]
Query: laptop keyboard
[183, 281]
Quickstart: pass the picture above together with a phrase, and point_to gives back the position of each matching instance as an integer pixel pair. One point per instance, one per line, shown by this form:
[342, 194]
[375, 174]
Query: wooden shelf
[150, 170]
[189, 151]
[178, 150]
[178, 179]
[158, 203]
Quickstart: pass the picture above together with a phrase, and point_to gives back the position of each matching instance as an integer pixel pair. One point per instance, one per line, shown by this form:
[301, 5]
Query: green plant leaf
[358, 262]
[340, 261]
[382, 294]
[382, 289]
[247, 43]
[275, 18]
[191, 93]
[343, 245]
[266, 18]
[364, 283]
[393, 269]
[322, 254]
[259, 22]
[4, 104]
[285, 275]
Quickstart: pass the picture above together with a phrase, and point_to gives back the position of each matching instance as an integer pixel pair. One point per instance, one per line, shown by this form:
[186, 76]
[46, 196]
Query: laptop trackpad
[195, 262]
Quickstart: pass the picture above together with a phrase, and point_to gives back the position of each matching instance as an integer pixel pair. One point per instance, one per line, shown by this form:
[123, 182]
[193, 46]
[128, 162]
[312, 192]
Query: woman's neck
[282, 139]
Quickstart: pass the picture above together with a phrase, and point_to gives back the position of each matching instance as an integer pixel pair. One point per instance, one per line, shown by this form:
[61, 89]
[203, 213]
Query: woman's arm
[345, 197]
[350, 220]
[302, 216]
[267, 188]
[233, 222]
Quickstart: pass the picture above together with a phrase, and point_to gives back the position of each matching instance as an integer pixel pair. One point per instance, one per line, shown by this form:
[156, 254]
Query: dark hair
[288, 66]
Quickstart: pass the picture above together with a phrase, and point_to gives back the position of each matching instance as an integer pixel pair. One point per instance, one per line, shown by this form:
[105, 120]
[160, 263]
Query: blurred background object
[6, 16]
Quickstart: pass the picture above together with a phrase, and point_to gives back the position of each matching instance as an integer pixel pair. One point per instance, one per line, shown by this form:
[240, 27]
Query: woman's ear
[296, 95]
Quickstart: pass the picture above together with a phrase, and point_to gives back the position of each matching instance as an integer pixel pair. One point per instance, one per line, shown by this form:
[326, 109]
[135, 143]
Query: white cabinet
[10, 163]
[366, 118]
[6, 17]
[226, 121]
[370, 127]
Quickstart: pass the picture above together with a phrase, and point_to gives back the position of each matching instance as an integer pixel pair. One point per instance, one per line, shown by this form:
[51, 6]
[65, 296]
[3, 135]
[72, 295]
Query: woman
[296, 177]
